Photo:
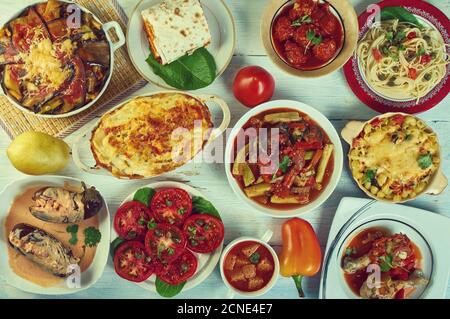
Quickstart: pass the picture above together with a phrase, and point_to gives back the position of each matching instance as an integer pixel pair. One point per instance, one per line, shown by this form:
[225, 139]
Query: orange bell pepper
[301, 254]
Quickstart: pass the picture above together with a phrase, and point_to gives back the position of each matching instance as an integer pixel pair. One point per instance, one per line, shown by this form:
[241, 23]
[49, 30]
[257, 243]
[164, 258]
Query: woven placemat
[124, 81]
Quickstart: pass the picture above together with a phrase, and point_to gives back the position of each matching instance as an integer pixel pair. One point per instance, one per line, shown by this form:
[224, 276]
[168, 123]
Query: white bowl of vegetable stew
[283, 158]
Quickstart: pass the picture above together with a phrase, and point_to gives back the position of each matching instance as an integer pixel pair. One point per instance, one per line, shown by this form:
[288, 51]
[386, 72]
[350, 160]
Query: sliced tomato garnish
[171, 205]
[377, 54]
[165, 243]
[204, 233]
[180, 270]
[131, 221]
[412, 73]
[398, 119]
[132, 263]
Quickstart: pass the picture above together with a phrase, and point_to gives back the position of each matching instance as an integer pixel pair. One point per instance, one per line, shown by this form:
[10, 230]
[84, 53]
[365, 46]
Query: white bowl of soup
[249, 266]
[283, 158]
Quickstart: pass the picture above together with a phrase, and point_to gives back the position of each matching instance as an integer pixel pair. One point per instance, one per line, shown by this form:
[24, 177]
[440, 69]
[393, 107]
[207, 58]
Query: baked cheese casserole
[395, 157]
[148, 136]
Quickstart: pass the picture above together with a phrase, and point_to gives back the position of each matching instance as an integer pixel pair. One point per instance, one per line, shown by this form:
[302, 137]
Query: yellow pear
[36, 153]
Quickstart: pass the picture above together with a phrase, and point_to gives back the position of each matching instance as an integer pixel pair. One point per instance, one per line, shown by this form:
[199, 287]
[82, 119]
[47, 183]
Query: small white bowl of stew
[249, 266]
[283, 158]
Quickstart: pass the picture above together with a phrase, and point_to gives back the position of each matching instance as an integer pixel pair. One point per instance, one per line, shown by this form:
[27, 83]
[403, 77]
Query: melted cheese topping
[42, 63]
[398, 160]
[149, 136]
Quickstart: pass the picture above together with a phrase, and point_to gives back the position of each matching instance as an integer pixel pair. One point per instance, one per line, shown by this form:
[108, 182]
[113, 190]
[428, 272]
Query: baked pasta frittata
[395, 157]
[148, 136]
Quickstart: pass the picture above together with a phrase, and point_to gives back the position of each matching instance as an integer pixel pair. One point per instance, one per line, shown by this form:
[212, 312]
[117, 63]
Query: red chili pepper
[425, 59]
[377, 54]
[411, 35]
[398, 119]
[376, 122]
[412, 73]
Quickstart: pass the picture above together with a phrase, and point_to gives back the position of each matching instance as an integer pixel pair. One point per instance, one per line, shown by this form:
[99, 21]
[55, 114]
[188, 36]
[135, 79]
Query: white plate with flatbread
[221, 26]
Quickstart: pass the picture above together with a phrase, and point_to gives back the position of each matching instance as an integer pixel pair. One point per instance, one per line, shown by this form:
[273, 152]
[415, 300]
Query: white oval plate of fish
[54, 235]
[217, 33]
[378, 250]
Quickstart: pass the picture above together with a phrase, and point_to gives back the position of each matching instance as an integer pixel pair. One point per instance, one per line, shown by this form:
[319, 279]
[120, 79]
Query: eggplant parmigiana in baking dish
[50, 65]
[151, 135]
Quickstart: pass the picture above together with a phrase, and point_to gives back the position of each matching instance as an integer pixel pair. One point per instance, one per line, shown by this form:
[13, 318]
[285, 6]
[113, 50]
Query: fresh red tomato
[164, 243]
[171, 205]
[412, 73]
[131, 221]
[377, 54]
[253, 85]
[425, 59]
[204, 233]
[180, 270]
[411, 35]
[398, 119]
[132, 263]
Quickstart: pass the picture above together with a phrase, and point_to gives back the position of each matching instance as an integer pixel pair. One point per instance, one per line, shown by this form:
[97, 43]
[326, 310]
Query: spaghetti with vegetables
[402, 61]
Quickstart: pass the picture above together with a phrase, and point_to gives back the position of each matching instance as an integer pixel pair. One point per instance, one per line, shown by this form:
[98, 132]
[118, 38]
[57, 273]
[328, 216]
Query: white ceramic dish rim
[323, 122]
[113, 46]
[276, 272]
[203, 98]
[101, 255]
[161, 83]
[211, 261]
[351, 213]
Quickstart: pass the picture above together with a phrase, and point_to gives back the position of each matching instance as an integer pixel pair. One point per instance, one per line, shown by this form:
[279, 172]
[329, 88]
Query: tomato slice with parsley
[180, 270]
[164, 243]
[171, 206]
[132, 263]
[131, 221]
[204, 233]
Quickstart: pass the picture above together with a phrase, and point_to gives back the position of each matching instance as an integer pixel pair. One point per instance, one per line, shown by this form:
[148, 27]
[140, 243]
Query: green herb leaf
[73, 230]
[425, 161]
[302, 20]
[399, 37]
[92, 237]
[151, 224]
[254, 258]
[181, 211]
[115, 244]
[166, 290]
[203, 206]
[421, 52]
[386, 263]
[399, 13]
[190, 72]
[284, 165]
[389, 36]
[144, 195]
[311, 36]
[369, 176]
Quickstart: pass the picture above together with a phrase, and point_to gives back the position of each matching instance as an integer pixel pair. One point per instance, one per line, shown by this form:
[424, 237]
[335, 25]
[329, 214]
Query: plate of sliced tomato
[166, 237]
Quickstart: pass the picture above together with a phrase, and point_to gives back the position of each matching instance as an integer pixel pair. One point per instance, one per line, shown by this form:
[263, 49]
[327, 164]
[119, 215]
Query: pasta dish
[402, 61]
[394, 158]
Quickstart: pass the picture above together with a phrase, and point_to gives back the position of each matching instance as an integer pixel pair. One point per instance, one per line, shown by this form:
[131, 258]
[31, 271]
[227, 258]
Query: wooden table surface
[330, 95]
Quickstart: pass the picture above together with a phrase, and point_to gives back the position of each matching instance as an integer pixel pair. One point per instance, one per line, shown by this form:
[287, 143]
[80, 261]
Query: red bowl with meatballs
[309, 38]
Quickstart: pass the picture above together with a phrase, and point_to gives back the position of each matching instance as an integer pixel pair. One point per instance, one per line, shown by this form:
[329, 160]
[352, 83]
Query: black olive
[427, 77]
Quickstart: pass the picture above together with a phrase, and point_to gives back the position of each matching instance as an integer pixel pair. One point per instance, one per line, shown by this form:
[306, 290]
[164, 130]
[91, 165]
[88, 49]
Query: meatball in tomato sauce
[325, 50]
[302, 8]
[283, 29]
[307, 35]
[295, 53]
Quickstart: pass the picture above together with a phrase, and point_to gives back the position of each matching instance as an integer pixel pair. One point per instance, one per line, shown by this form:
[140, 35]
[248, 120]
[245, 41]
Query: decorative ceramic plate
[427, 230]
[206, 262]
[88, 277]
[221, 25]
[430, 16]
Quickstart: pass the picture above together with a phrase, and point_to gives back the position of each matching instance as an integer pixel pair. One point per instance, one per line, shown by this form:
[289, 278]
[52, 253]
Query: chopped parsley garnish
[425, 161]
[254, 258]
[168, 202]
[181, 211]
[313, 38]
[285, 164]
[302, 20]
[350, 251]
[386, 263]
[73, 230]
[369, 176]
[92, 237]
[151, 224]
[421, 52]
